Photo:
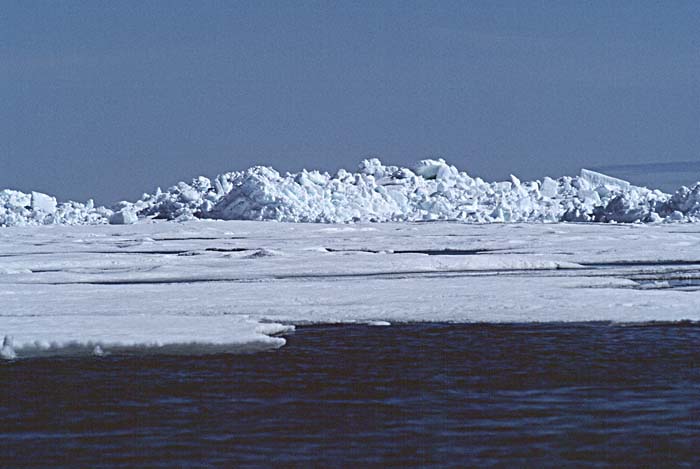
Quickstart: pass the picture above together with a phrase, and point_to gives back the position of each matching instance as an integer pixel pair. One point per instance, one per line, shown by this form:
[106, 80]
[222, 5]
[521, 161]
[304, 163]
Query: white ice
[431, 190]
[215, 285]
[27, 335]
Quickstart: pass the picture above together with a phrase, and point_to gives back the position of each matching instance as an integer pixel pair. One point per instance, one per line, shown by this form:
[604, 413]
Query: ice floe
[230, 286]
[204, 286]
[32, 336]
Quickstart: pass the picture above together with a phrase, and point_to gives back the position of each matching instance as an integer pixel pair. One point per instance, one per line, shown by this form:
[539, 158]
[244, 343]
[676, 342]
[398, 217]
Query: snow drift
[431, 190]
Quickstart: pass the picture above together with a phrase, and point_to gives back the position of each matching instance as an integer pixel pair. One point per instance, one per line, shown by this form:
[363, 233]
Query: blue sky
[110, 99]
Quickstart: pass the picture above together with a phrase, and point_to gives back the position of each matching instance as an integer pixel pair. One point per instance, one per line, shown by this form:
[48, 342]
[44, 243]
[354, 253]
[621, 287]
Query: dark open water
[419, 394]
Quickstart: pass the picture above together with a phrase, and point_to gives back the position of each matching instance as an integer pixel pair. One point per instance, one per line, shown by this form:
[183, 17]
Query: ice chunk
[43, 202]
[258, 253]
[15, 199]
[379, 323]
[598, 179]
[371, 167]
[125, 216]
[429, 169]
[7, 352]
[686, 201]
[549, 188]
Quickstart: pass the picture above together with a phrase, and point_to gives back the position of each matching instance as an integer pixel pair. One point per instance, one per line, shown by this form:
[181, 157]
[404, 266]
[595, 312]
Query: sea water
[356, 395]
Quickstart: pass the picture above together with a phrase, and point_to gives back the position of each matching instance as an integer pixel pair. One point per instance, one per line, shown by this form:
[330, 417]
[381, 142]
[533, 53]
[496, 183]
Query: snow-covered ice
[203, 286]
[154, 333]
[431, 190]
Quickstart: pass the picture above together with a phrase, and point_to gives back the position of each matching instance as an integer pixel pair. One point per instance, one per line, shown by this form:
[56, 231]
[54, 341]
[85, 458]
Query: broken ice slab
[599, 179]
[43, 202]
[123, 217]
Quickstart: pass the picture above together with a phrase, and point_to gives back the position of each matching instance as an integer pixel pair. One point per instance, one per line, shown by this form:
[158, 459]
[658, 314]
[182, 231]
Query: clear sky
[111, 99]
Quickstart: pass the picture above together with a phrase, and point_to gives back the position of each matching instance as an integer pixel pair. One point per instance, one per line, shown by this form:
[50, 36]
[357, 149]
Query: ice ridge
[431, 190]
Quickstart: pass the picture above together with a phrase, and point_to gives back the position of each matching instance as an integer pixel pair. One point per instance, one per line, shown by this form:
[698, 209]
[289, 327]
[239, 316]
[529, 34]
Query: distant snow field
[431, 190]
[228, 286]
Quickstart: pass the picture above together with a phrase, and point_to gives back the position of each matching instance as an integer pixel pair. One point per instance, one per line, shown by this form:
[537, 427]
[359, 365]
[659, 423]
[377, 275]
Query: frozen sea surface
[213, 286]
[536, 395]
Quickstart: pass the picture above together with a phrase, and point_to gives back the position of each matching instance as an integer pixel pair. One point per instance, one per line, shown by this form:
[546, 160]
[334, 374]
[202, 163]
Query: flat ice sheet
[152, 333]
[214, 282]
